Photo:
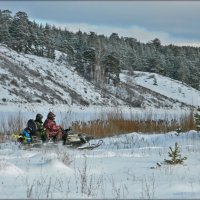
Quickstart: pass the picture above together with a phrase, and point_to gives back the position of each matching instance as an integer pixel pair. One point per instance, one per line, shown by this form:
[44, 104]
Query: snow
[165, 86]
[58, 70]
[61, 71]
[122, 167]
[59, 76]
[66, 75]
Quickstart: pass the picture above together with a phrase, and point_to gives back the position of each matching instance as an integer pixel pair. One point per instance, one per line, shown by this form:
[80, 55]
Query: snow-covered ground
[122, 167]
[165, 86]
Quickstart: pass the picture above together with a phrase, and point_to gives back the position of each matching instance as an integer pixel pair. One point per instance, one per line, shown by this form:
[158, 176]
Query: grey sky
[173, 22]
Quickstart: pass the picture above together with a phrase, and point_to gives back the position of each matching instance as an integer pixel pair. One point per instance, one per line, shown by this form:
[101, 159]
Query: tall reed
[112, 123]
[116, 123]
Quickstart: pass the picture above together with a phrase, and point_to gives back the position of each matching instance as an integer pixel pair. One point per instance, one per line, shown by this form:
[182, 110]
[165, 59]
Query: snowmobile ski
[91, 146]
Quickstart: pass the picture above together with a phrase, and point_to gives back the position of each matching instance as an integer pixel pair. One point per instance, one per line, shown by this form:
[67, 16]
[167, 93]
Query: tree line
[100, 58]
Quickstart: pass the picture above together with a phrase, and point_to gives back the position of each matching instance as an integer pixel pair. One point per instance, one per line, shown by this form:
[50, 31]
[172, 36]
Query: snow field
[122, 167]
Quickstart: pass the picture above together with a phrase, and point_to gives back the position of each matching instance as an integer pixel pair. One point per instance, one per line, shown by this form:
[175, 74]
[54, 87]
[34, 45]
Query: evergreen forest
[100, 58]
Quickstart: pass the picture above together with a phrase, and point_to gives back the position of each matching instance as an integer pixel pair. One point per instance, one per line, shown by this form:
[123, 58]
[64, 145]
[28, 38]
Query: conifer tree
[19, 31]
[180, 63]
[49, 42]
[175, 155]
[5, 21]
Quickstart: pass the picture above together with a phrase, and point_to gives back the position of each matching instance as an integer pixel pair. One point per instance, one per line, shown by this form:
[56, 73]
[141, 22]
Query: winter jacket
[27, 135]
[40, 132]
[51, 128]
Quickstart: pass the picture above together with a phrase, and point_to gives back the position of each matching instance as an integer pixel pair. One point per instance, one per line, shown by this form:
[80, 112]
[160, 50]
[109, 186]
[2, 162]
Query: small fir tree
[175, 156]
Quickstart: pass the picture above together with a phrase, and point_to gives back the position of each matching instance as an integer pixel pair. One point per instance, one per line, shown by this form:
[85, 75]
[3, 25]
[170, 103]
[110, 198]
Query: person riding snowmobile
[27, 135]
[53, 131]
[40, 131]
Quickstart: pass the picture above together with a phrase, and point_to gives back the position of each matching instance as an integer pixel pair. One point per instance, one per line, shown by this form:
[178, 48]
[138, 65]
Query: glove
[68, 129]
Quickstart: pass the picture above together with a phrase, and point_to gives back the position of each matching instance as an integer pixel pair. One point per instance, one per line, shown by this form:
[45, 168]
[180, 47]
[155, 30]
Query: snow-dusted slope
[26, 78]
[164, 86]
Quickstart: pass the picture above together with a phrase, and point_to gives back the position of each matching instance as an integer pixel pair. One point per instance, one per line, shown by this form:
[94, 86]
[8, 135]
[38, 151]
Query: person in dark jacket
[40, 131]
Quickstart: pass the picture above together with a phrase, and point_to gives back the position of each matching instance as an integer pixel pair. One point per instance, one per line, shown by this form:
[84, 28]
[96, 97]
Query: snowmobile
[69, 139]
[25, 142]
[79, 140]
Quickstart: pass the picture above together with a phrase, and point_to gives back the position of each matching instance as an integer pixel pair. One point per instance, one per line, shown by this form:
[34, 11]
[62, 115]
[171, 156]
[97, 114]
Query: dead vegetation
[116, 124]
[109, 125]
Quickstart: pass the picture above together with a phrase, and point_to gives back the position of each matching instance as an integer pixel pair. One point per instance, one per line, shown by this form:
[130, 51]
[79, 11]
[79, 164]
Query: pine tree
[5, 22]
[112, 68]
[41, 41]
[175, 156]
[89, 56]
[180, 63]
[49, 42]
[33, 38]
[19, 31]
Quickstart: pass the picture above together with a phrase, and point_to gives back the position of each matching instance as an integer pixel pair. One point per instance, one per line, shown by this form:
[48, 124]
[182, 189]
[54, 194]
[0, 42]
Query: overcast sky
[173, 22]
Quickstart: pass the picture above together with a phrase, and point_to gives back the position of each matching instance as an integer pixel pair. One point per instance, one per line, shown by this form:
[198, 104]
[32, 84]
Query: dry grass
[110, 124]
[2, 137]
[117, 124]
[13, 124]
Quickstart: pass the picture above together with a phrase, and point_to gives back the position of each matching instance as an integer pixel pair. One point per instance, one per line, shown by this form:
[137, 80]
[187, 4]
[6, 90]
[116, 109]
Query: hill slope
[27, 78]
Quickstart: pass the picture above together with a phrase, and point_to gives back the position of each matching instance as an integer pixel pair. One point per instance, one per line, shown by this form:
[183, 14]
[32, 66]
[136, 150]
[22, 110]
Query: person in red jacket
[53, 131]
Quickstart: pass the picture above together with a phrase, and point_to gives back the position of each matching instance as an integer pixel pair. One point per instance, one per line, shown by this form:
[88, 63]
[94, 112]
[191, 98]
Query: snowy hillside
[124, 167]
[26, 79]
[165, 86]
